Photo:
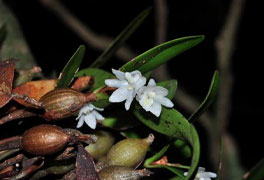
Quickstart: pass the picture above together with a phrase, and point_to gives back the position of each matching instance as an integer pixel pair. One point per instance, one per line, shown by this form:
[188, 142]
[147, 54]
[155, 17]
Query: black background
[52, 44]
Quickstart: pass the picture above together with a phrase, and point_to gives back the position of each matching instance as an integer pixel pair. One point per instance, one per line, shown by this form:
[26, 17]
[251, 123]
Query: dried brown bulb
[64, 102]
[122, 173]
[49, 139]
[44, 140]
[129, 152]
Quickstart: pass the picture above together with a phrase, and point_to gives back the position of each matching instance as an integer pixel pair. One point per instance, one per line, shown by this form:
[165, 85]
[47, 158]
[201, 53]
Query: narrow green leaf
[161, 54]
[173, 124]
[171, 86]
[156, 156]
[99, 76]
[209, 99]
[121, 38]
[2, 33]
[256, 173]
[71, 67]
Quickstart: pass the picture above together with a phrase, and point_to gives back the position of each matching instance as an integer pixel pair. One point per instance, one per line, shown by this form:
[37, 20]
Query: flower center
[152, 94]
[129, 87]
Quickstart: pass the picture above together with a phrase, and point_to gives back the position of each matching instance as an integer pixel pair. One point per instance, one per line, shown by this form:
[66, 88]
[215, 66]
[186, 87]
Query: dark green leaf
[209, 99]
[99, 76]
[121, 38]
[171, 86]
[256, 173]
[161, 54]
[183, 147]
[71, 67]
[173, 124]
[2, 34]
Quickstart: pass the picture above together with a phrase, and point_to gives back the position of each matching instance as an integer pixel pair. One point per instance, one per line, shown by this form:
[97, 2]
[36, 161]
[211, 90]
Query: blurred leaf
[15, 45]
[161, 54]
[173, 124]
[2, 34]
[34, 89]
[176, 171]
[121, 38]
[177, 178]
[118, 119]
[209, 99]
[99, 76]
[71, 67]
[102, 100]
[256, 173]
[7, 69]
[183, 147]
[82, 83]
[171, 86]
[220, 161]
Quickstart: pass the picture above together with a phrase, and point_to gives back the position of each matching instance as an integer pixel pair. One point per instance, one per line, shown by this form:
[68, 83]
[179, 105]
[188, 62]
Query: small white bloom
[88, 114]
[127, 84]
[203, 175]
[151, 97]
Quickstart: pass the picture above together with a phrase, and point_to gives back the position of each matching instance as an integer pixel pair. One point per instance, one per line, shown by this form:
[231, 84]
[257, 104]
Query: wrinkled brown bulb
[64, 102]
[44, 140]
[122, 173]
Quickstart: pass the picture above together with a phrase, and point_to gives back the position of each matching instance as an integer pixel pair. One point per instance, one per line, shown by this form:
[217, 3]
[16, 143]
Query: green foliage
[171, 86]
[256, 173]
[71, 67]
[99, 76]
[161, 54]
[209, 99]
[120, 39]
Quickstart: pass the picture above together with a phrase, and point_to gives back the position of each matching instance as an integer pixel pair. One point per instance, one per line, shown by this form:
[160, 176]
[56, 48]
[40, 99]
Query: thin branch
[83, 31]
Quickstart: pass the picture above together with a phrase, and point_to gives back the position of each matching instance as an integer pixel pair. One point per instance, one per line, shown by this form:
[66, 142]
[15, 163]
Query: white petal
[97, 115]
[146, 102]
[136, 72]
[129, 100]
[161, 91]
[151, 82]
[114, 83]
[156, 109]
[119, 95]
[81, 121]
[201, 169]
[90, 121]
[212, 175]
[141, 91]
[164, 101]
[119, 74]
[185, 173]
[140, 83]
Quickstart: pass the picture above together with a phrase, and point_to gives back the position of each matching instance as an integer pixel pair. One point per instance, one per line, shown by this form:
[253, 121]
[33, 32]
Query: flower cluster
[202, 174]
[131, 84]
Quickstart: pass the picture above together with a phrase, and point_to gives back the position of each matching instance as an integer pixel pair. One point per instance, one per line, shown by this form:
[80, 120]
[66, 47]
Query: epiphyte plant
[98, 90]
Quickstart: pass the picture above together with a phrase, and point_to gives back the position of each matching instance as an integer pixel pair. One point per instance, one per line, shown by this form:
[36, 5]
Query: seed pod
[129, 152]
[122, 173]
[102, 145]
[64, 102]
[44, 140]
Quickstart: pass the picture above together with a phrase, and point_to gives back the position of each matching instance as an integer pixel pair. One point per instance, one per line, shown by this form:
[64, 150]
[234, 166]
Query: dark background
[52, 44]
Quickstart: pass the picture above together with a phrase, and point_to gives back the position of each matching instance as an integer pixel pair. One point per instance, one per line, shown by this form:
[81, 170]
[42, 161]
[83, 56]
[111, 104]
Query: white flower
[203, 175]
[89, 115]
[151, 97]
[127, 84]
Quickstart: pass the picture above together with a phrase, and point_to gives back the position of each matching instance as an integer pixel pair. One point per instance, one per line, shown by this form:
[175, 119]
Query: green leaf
[156, 156]
[171, 86]
[121, 38]
[2, 33]
[161, 54]
[183, 147]
[99, 76]
[209, 99]
[256, 173]
[173, 124]
[71, 67]
[102, 100]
